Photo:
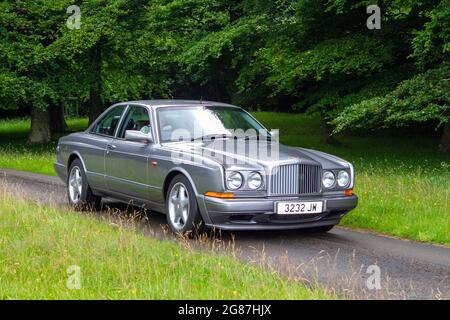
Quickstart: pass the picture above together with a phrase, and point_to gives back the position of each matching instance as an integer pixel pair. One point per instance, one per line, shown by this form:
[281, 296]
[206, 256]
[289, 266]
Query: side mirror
[275, 135]
[138, 136]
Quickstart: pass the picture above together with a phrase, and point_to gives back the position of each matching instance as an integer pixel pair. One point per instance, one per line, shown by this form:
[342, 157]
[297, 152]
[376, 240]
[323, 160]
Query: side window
[108, 124]
[138, 119]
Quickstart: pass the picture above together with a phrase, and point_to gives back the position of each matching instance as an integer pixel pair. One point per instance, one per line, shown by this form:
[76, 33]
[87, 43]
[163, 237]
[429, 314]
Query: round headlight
[254, 180]
[343, 179]
[234, 180]
[328, 179]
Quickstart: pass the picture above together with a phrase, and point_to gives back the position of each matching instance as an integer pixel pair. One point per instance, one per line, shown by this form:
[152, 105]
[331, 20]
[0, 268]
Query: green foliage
[422, 98]
[302, 55]
[55, 62]
[230, 44]
[26, 30]
[12, 89]
[290, 70]
[432, 44]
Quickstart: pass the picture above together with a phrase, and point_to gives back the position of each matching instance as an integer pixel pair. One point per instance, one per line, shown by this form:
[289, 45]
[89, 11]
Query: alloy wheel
[179, 205]
[75, 185]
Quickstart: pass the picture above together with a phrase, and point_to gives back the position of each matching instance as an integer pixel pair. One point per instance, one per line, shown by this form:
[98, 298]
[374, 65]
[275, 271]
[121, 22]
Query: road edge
[30, 176]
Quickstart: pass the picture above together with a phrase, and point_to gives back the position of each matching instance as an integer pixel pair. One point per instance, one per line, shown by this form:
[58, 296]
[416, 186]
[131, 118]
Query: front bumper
[260, 213]
[61, 171]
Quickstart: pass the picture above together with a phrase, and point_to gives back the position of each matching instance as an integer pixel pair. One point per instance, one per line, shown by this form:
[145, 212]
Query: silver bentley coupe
[203, 164]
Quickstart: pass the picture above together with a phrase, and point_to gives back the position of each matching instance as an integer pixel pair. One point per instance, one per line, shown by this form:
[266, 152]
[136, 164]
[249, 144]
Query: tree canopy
[314, 56]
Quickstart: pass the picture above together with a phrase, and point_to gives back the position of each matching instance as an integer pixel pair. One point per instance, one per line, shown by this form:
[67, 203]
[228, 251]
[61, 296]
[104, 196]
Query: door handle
[111, 146]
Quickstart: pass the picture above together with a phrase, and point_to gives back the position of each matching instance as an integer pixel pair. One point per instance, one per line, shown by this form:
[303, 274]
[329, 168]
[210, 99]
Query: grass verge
[16, 154]
[39, 243]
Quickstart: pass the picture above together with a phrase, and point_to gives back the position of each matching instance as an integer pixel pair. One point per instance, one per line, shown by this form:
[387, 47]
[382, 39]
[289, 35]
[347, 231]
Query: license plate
[299, 207]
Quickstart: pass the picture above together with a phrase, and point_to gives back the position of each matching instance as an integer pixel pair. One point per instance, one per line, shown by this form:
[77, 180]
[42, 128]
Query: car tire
[79, 192]
[323, 229]
[182, 212]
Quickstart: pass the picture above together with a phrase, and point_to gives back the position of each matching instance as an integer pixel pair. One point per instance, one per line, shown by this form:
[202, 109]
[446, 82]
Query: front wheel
[183, 215]
[78, 190]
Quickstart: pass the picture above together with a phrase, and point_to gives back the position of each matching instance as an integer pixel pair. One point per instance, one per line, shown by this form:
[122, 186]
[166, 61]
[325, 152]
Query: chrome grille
[295, 179]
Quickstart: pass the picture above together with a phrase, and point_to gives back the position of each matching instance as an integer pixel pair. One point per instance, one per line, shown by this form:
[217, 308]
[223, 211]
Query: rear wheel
[183, 215]
[79, 192]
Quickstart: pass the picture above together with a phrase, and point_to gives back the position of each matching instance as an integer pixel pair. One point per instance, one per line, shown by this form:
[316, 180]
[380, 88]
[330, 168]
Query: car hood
[245, 156]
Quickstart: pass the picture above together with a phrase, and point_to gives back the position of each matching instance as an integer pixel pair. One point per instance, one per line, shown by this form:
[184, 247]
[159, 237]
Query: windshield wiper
[257, 136]
[212, 136]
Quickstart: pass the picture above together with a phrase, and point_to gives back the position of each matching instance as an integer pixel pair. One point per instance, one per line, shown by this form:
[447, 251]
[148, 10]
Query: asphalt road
[342, 260]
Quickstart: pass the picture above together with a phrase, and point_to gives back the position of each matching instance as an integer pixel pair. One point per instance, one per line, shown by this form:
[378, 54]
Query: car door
[94, 147]
[126, 162]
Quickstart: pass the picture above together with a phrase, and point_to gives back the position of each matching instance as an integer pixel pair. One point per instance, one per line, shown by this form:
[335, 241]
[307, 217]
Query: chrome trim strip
[133, 182]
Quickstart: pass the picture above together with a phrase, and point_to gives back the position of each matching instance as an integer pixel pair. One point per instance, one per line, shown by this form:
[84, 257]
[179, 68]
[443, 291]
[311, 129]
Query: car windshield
[193, 123]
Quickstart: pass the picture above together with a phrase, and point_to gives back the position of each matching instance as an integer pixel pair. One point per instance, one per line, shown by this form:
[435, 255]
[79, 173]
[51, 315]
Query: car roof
[177, 103]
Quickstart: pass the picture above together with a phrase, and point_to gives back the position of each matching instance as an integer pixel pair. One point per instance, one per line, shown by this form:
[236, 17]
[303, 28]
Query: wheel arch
[72, 157]
[179, 170]
[174, 172]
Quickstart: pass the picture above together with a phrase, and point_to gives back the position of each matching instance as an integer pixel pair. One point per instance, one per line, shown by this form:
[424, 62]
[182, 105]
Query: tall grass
[38, 245]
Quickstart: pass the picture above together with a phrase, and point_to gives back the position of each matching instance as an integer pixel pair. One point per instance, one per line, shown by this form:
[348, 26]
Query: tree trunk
[58, 124]
[444, 144]
[327, 131]
[40, 126]
[95, 105]
[95, 99]
[232, 92]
